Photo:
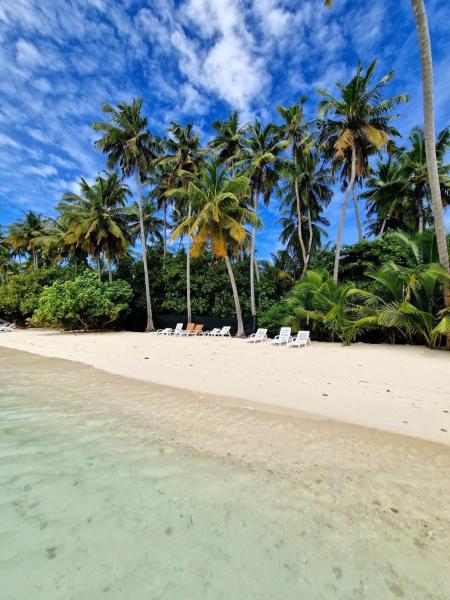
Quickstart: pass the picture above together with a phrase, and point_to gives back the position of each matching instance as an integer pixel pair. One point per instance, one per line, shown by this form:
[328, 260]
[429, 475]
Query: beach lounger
[225, 331]
[7, 327]
[284, 337]
[189, 328]
[178, 330]
[197, 330]
[164, 331]
[259, 336]
[212, 332]
[302, 339]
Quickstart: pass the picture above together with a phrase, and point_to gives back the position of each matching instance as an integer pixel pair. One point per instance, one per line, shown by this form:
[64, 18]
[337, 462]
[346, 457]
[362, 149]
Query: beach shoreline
[397, 389]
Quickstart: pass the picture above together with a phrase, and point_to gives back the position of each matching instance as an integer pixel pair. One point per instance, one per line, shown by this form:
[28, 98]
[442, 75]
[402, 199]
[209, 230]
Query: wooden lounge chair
[284, 337]
[259, 336]
[197, 330]
[189, 328]
[302, 339]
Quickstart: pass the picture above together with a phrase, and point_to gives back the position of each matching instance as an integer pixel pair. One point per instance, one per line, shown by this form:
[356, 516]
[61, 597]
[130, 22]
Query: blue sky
[191, 61]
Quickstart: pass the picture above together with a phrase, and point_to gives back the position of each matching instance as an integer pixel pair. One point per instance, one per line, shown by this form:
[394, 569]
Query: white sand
[398, 389]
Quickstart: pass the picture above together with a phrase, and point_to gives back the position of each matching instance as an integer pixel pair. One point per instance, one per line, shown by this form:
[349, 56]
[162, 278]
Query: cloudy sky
[191, 61]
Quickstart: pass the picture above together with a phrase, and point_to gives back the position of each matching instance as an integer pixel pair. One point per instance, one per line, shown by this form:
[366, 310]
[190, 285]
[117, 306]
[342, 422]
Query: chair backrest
[261, 333]
[179, 327]
[197, 328]
[225, 330]
[303, 335]
[285, 332]
[190, 326]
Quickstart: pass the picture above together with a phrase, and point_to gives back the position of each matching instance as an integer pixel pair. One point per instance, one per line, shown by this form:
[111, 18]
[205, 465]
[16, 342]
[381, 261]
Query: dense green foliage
[81, 303]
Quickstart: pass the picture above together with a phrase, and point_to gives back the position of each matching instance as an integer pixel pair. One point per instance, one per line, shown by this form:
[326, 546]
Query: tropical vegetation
[171, 226]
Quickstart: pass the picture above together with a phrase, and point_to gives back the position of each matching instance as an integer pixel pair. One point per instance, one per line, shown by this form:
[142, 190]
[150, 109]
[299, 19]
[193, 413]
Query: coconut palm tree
[23, 233]
[229, 140]
[388, 204]
[128, 144]
[54, 242]
[415, 172]
[260, 160]
[421, 20]
[97, 219]
[219, 220]
[183, 157]
[295, 132]
[353, 126]
[152, 223]
[304, 191]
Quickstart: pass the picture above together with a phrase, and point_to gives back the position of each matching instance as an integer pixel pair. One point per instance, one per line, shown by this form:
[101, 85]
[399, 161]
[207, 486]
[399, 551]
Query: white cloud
[27, 54]
[41, 170]
[5, 140]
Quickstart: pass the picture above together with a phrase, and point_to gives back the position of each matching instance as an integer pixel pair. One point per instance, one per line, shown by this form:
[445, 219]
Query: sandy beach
[398, 389]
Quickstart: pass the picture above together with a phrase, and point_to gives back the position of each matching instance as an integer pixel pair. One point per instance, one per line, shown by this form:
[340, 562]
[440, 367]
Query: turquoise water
[91, 508]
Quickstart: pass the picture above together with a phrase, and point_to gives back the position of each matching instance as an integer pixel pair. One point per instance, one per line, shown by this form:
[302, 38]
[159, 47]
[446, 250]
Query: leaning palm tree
[183, 158]
[260, 159]
[219, 220]
[128, 144]
[97, 219]
[420, 17]
[353, 126]
[23, 233]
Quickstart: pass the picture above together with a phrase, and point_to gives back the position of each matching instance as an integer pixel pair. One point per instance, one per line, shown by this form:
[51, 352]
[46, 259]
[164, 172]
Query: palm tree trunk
[420, 214]
[252, 262]
[299, 221]
[237, 303]
[357, 215]
[165, 231]
[342, 217]
[108, 262]
[383, 227]
[99, 268]
[150, 326]
[310, 240]
[33, 251]
[423, 32]
[188, 271]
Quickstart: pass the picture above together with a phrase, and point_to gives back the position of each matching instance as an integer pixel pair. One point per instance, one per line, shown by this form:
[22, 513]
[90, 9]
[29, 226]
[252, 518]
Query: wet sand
[399, 389]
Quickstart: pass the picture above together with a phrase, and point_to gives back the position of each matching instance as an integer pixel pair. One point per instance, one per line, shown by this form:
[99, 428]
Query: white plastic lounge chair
[164, 331]
[212, 332]
[225, 331]
[259, 336]
[177, 331]
[284, 337]
[302, 339]
[7, 327]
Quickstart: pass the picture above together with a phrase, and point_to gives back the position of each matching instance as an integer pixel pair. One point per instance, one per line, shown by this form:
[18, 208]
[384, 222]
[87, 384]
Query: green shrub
[20, 293]
[82, 303]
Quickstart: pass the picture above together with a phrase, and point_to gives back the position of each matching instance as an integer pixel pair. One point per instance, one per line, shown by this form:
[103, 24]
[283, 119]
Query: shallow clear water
[91, 508]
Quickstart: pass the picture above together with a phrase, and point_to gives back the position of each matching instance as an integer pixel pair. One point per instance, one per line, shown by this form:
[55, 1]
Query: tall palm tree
[423, 32]
[54, 241]
[152, 223]
[353, 126]
[160, 178]
[98, 219]
[183, 157]
[229, 140]
[23, 233]
[219, 220]
[260, 159]
[305, 191]
[294, 131]
[388, 206]
[415, 171]
[129, 145]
